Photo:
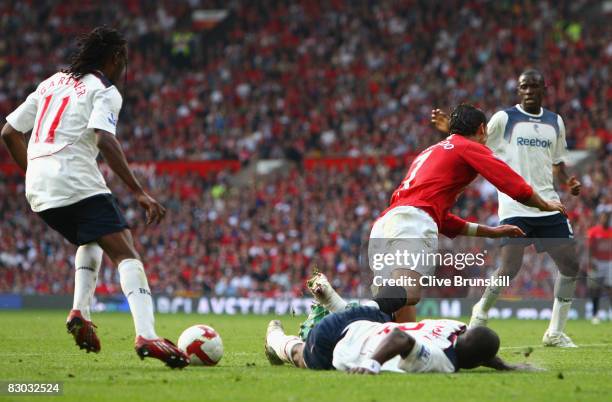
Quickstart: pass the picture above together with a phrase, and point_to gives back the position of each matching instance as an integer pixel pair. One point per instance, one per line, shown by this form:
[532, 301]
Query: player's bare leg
[87, 265]
[511, 261]
[406, 314]
[281, 348]
[297, 355]
[565, 287]
[120, 248]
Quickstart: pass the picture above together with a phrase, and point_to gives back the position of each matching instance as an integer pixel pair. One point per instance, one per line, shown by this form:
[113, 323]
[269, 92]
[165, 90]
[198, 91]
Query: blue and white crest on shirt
[423, 353]
[112, 119]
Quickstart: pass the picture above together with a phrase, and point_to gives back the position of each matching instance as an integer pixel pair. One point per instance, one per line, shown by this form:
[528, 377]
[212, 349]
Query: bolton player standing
[73, 117]
[531, 140]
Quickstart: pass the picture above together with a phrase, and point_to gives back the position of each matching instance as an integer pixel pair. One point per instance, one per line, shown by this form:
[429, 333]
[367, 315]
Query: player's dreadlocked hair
[466, 119]
[95, 49]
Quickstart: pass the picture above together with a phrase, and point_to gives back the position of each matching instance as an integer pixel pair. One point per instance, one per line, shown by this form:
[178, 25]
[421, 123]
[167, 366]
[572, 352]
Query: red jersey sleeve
[452, 225]
[497, 172]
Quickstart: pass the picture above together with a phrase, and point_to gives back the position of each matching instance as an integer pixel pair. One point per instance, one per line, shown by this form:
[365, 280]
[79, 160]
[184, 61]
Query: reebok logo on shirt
[533, 142]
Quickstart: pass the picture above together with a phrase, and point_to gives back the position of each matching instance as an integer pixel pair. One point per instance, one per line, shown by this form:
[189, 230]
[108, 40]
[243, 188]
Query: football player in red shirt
[599, 242]
[420, 209]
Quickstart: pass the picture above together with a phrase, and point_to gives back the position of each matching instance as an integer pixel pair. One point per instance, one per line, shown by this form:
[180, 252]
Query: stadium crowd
[305, 78]
[261, 239]
[296, 79]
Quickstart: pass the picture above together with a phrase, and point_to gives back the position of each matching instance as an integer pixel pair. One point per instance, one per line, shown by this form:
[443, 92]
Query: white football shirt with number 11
[62, 113]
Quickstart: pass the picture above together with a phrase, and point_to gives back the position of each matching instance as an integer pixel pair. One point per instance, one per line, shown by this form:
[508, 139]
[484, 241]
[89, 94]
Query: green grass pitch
[35, 347]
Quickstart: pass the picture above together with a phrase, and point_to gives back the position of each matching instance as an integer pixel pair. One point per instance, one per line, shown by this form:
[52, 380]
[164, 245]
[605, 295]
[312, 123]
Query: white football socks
[489, 297]
[558, 319]
[565, 286]
[283, 344]
[87, 265]
[335, 302]
[136, 289]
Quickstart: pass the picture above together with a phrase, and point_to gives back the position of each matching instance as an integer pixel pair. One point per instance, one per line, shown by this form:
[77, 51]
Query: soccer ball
[202, 344]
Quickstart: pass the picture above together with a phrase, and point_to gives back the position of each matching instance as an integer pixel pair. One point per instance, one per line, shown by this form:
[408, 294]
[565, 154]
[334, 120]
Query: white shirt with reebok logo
[531, 144]
[62, 113]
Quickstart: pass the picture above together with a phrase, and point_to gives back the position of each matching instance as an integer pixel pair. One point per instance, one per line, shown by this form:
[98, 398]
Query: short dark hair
[533, 72]
[94, 50]
[465, 119]
[476, 347]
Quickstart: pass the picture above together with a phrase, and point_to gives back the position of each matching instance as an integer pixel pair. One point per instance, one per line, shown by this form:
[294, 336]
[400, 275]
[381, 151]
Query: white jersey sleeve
[22, 119]
[559, 153]
[105, 112]
[495, 132]
[425, 357]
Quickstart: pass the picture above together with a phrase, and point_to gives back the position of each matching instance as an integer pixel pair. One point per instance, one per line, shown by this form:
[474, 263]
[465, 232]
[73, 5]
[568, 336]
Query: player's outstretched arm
[113, 154]
[498, 364]
[396, 343]
[492, 232]
[551, 206]
[452, 225]
[16, 144]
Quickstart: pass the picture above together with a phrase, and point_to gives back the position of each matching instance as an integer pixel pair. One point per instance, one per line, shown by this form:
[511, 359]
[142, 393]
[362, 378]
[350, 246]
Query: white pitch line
[589, 345]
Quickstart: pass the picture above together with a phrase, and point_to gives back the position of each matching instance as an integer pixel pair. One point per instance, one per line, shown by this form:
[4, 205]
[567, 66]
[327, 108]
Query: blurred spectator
[261, 238]
[294, 79]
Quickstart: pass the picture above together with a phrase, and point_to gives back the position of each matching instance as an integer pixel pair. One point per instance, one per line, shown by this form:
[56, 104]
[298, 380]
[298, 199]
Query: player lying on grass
[73, 115]
[363, 340]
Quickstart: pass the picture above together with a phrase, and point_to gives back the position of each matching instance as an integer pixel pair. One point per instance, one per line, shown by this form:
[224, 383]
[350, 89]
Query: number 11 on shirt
[56, 120]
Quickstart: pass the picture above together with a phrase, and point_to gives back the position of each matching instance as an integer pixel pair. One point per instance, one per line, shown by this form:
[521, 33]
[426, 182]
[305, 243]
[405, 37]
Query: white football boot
[557, 339]
[325, 294]
[479, 317]
[274, 327]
